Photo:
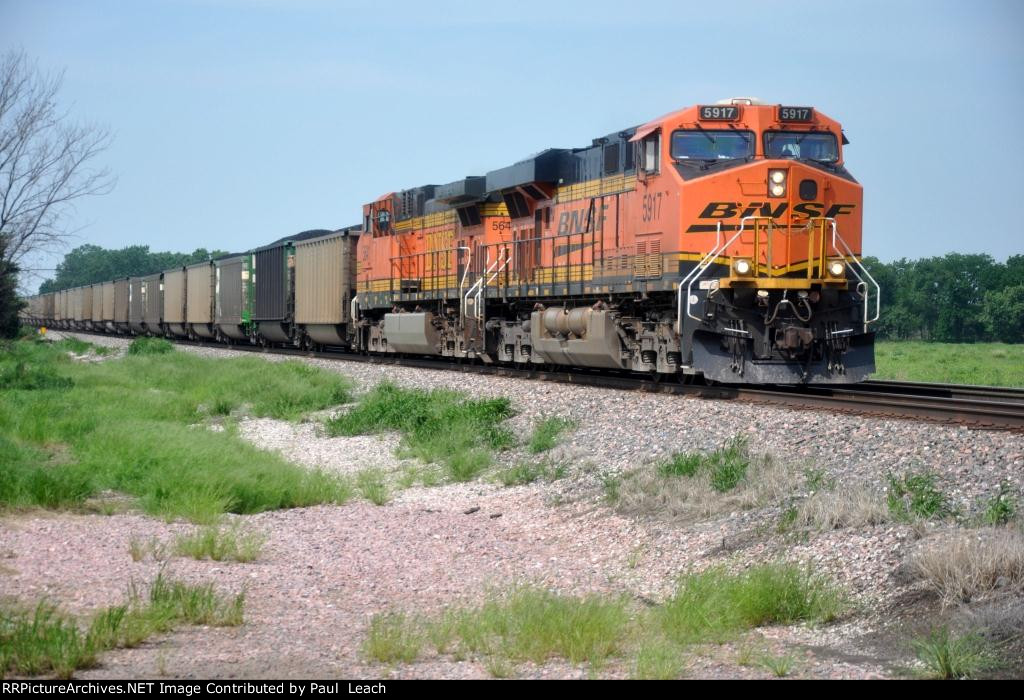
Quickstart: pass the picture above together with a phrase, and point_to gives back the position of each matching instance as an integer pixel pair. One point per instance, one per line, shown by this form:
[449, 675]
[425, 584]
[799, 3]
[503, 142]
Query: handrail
[465, 273]
[856, 261]
[493, 269]
[479, 292]
[695, 274]
[699, 267]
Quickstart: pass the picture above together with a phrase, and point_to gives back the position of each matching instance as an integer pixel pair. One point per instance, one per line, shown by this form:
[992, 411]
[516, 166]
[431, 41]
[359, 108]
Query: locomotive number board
[719, 113]
[796, 114]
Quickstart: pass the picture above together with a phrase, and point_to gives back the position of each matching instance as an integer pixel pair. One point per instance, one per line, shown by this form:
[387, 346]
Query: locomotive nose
[793, 182]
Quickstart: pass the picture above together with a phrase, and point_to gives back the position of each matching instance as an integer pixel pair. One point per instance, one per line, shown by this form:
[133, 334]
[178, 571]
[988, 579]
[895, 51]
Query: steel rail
[945, 390]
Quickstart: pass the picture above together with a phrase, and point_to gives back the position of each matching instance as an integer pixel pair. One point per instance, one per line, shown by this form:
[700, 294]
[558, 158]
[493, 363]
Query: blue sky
[239, 121]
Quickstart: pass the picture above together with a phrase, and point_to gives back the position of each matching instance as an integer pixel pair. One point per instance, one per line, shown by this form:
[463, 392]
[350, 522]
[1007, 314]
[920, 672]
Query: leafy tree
[10, 304]
[89, 264]
[947, 298]
[1003, 314]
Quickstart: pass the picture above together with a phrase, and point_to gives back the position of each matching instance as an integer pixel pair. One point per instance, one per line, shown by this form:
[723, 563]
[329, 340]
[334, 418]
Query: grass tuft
[916, 496]
[372, 486]
[230, 543]
[781, 666]
[949, 656]
[694, 486]
[531, 624]
[546, 433]
[658, 660]
[1001, 508]
[437, 426]
[963, 565]
[525, 624]
[45, 641]
[833, 510]
[714, 605]
[140, 549]
[393, 637]
[195, 604]
[529, 472]
[725, 467]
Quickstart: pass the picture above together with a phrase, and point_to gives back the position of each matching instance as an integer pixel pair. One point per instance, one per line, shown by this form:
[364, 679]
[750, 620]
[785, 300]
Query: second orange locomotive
[719, 240]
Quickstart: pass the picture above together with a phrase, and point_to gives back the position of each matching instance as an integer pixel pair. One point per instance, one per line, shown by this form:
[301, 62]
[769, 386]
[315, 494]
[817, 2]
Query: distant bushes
[955, 298]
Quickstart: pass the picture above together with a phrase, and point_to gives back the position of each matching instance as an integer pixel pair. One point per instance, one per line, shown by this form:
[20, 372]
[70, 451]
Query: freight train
[717, 243]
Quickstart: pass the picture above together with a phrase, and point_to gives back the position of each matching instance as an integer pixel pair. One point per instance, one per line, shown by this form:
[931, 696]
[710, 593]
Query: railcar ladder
[474, 297]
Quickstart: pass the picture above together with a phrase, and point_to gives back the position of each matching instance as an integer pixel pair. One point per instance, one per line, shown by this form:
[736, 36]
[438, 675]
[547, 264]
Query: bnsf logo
[731, 210]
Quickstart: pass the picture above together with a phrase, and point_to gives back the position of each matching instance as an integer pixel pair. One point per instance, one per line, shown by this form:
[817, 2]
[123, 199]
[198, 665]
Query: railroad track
[978, 407]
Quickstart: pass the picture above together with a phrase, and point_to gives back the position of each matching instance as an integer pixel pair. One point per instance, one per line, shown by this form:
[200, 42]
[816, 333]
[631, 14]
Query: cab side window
[650, 154]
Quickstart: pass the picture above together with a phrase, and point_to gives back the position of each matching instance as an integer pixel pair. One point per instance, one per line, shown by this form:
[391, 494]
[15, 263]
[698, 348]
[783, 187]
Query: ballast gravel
[326, 570]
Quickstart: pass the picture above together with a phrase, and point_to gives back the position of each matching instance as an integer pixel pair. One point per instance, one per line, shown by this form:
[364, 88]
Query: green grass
[950, 656]
[393, 637]
[195, 604]
[530, 624]
[995, 364]
[45, 641]
[81, 347]
[524, 624]
[781, 666]
[726, 466]
[228, 543]
[546, 433]
[437, 426]
[135, 425]
[372, 486]
[153, 547]
[714, 605]
[147, 345]
[658, 660]
[916, 496]
[528, 472]
[1001, 508]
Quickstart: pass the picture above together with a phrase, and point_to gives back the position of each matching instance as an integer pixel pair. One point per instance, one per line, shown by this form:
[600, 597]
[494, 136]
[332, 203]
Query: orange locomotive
[719, 240]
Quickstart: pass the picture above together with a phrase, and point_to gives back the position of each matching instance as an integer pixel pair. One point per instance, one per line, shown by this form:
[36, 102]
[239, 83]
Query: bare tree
[45, 160]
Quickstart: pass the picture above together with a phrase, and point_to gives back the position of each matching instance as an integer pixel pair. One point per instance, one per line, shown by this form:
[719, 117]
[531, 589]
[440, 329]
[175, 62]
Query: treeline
[89, 264]
[955, 298]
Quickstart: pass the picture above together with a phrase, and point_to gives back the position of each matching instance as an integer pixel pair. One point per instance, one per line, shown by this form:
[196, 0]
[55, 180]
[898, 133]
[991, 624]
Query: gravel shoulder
[326, 570]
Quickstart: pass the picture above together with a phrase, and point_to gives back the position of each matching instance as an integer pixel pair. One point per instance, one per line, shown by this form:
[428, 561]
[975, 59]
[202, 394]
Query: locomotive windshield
[707, 144]
[804, 145]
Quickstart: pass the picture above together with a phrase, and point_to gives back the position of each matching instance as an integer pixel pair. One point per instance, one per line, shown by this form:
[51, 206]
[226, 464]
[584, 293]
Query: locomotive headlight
[777, 183]
[742, 267]
[836, 268]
